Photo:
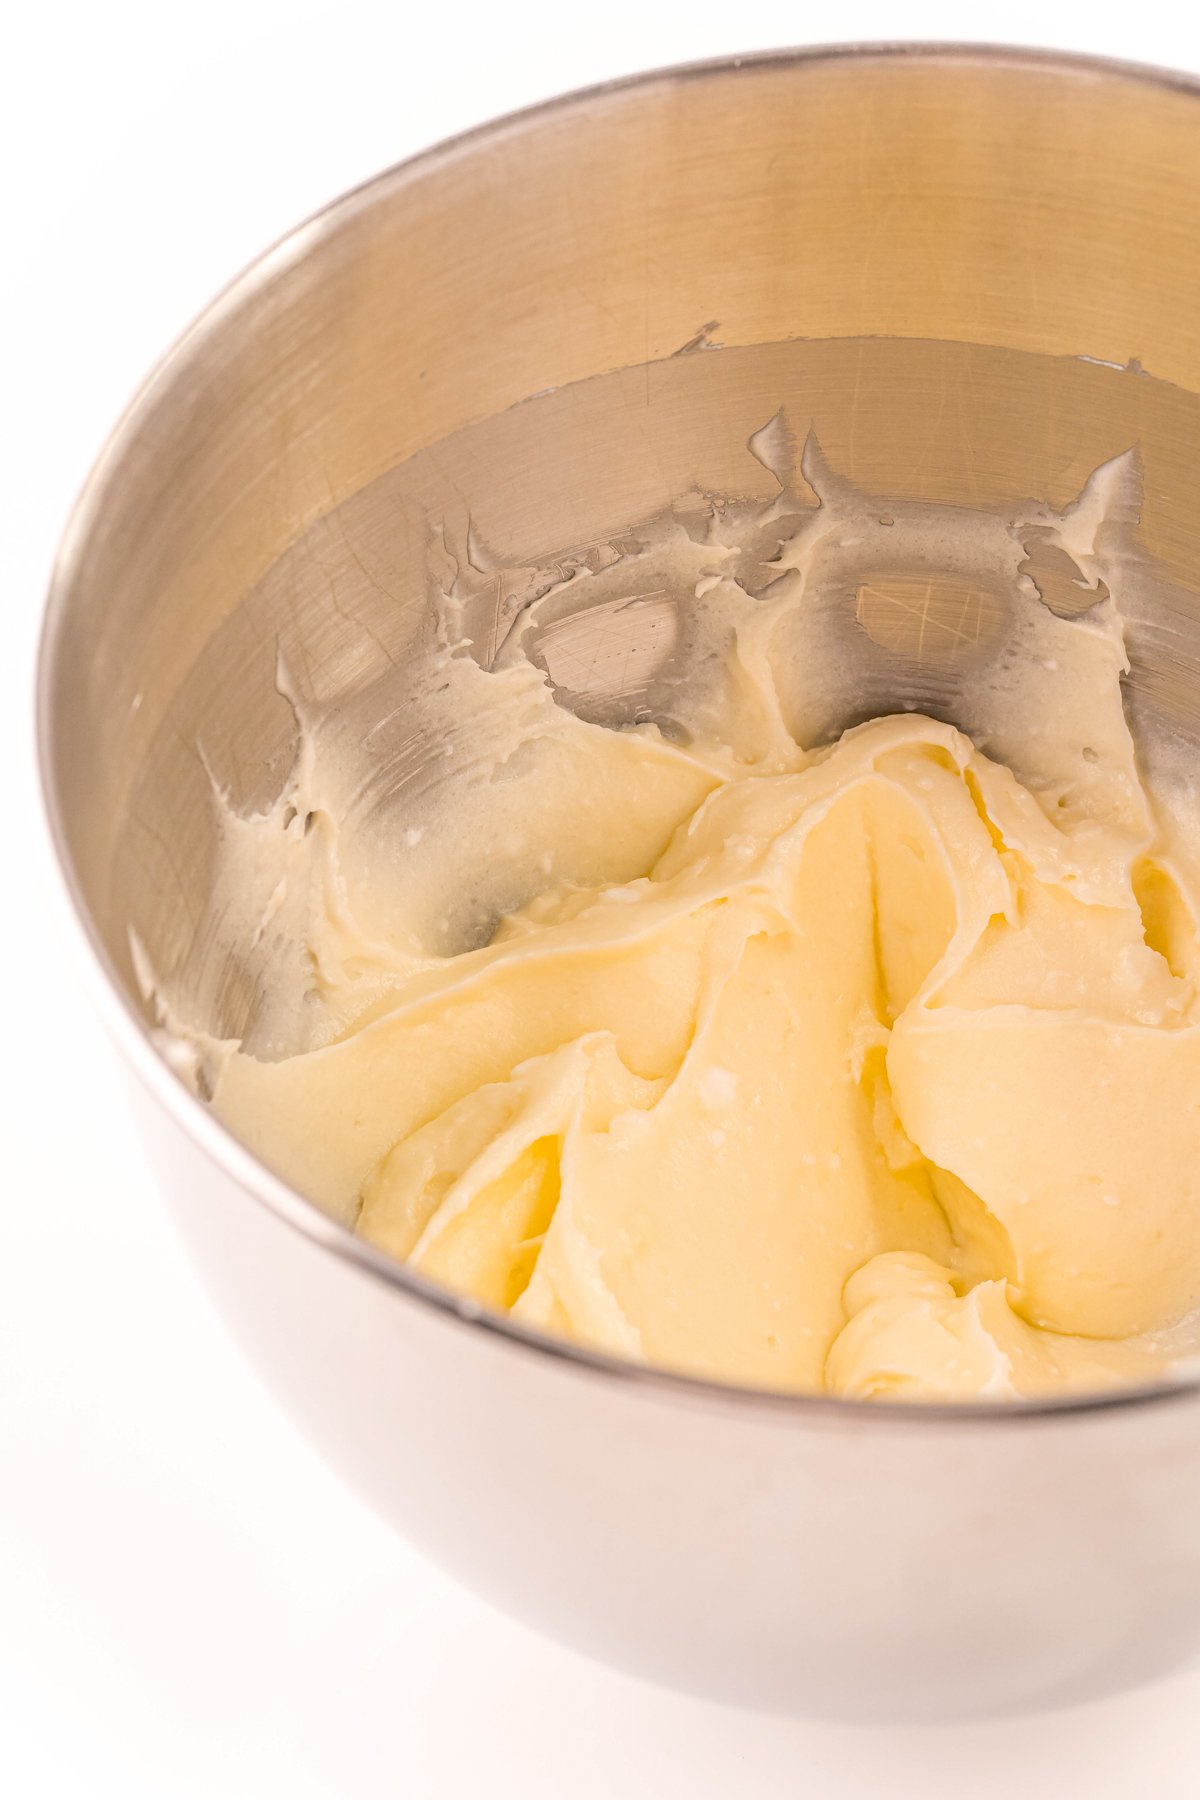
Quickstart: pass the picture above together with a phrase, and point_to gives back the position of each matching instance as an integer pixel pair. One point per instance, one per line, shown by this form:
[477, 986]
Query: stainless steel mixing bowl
[976, 273]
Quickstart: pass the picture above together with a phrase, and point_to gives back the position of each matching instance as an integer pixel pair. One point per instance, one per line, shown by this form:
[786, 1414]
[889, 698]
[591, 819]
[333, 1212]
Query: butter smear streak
[745, 1033]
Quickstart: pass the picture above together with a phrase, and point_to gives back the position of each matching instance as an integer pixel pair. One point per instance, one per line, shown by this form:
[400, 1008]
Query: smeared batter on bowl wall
[686, 1010]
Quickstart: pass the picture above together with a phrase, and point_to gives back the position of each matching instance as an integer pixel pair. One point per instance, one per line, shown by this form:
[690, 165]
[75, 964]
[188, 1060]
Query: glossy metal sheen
[975, 272]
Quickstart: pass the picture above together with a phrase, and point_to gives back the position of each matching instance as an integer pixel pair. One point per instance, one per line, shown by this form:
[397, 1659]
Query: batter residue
[704, 1035]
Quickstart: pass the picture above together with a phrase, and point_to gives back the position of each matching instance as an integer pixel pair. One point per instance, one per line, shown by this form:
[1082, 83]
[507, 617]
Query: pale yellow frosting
[871, 1068]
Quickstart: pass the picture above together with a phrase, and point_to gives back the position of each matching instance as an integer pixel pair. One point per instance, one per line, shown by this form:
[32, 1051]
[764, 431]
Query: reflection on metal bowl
[967, 276]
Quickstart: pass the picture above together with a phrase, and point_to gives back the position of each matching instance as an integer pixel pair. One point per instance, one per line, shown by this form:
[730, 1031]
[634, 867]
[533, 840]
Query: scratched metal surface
[973, 279]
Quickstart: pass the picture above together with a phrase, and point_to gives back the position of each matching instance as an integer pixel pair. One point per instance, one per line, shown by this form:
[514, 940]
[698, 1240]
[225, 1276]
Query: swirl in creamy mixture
[721, 1037]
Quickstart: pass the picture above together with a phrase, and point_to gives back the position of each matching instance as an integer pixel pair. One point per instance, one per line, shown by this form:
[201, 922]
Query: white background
[190, 1603]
